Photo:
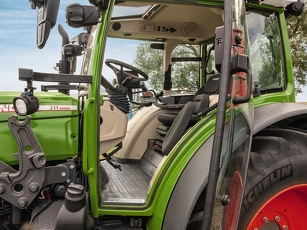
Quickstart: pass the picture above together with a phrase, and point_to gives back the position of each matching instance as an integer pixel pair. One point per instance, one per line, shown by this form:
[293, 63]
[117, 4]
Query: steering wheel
[125, 71]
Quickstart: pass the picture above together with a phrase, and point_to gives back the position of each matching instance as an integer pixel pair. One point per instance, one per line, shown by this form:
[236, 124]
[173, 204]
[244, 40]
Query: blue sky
[18, 44]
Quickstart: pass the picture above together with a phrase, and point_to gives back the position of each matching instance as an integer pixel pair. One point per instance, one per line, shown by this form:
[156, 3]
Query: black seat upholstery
[174, 125]
[211, 87]
[186, 117]
[177, 128]
[167, 118]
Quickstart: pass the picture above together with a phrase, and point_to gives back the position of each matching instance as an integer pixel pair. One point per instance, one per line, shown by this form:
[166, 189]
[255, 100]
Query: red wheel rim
[235, 193]
[286, 210]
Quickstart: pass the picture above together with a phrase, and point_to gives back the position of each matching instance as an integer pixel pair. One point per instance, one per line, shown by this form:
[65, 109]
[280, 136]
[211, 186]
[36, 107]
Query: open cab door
[232, 141]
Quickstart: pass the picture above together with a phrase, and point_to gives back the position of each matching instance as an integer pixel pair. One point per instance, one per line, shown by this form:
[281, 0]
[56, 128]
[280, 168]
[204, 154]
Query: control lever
[108, 157]
[127, 81]
[143, 86]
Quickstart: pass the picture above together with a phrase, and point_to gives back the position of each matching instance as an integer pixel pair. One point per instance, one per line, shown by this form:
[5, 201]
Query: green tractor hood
[55, 125]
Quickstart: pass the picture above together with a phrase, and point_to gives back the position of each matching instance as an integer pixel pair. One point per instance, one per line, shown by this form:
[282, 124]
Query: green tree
[150, 61]
[184, 74]
[297, 29]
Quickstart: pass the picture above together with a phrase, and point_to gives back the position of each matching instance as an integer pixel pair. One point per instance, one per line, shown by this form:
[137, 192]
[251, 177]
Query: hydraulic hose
[205, 111]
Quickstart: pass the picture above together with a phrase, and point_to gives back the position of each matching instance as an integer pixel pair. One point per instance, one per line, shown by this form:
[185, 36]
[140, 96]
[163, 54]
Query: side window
[266, 52]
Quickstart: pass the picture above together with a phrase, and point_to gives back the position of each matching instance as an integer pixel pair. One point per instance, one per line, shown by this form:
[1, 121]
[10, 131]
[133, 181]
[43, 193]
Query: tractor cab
[153, 54]
[178, 109]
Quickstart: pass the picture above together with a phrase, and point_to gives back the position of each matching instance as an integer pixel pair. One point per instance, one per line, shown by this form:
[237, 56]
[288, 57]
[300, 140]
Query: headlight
[25, 104]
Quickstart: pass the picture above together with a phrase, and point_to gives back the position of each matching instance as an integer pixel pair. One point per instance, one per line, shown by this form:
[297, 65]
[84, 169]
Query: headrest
[211, 86]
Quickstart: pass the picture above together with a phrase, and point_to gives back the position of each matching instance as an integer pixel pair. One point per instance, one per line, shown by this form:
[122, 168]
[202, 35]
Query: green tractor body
[57, 111]
[214, 141]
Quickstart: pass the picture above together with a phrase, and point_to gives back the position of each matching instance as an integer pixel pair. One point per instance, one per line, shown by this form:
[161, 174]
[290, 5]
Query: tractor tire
[275, 196]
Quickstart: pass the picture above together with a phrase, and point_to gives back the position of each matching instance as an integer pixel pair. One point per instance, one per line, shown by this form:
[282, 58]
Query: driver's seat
[210, 88]
[185, 118]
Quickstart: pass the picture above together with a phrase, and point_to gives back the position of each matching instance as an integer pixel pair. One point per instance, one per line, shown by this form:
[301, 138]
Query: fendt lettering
[6, 108]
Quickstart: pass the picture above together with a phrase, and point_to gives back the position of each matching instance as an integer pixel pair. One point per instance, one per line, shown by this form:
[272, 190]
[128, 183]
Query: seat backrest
[211, 87]
[186, 116]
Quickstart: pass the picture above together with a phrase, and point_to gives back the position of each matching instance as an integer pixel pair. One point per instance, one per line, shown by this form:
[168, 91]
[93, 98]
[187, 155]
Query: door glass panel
[266, 60]
[266, 52]
[236, 139]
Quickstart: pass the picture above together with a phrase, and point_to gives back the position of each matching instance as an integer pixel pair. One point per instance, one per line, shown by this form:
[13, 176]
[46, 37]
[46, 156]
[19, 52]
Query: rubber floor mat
[128, 186]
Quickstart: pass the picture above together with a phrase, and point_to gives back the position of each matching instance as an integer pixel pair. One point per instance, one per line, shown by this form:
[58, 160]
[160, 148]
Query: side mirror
[46, 19]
